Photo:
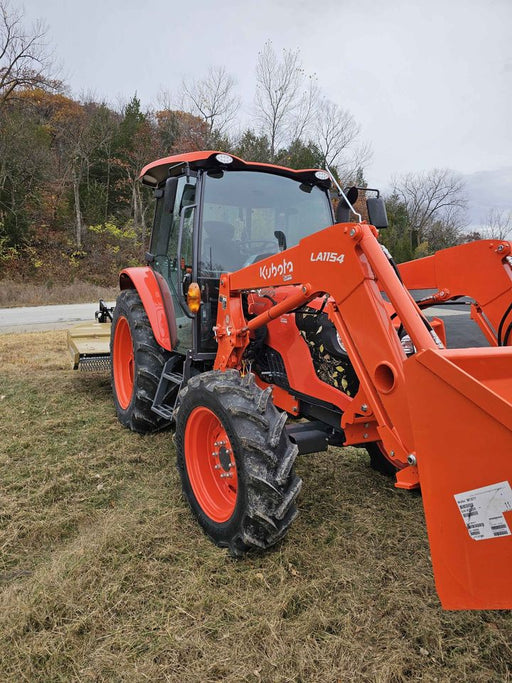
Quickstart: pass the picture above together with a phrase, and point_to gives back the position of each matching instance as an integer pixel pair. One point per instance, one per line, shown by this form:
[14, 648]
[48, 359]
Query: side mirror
[377, 212]
[343, 209]
[185, 281]
[281, 239]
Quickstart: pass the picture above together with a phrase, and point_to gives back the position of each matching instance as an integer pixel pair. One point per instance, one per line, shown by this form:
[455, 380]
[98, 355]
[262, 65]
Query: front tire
[137, 364]
[378, 460]
[236, 461]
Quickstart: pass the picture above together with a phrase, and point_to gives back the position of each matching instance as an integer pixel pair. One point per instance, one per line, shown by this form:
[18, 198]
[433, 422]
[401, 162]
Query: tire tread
[150, 359]
[270, 484]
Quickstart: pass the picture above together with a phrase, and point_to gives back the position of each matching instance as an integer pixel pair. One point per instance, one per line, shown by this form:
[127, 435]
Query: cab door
[175, 205]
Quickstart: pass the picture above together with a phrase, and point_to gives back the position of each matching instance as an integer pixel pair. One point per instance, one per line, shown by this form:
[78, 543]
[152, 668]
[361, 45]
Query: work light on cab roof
[224, 158]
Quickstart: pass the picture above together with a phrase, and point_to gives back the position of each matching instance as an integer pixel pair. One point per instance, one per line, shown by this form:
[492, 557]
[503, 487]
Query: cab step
[168, 388]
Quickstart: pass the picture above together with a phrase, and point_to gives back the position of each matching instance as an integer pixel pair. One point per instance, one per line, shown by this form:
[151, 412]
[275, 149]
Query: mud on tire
[236, 461]
[137, 363]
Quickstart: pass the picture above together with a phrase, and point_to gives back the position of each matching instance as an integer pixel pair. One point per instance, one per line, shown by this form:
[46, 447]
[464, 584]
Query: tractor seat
[220, 252]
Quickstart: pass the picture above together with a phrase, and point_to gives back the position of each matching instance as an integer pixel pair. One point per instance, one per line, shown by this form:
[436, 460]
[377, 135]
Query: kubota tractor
[264, 326]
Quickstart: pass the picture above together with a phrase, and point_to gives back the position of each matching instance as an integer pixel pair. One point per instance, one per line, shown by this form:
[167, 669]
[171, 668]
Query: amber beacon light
[193, 297]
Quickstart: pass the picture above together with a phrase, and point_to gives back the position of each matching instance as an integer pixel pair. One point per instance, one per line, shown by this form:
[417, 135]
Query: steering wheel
[257, 250]
[250, 247]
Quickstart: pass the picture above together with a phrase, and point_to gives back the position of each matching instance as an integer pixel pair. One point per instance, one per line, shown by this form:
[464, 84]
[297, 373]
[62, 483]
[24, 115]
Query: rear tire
[236, 461]
[137, 364]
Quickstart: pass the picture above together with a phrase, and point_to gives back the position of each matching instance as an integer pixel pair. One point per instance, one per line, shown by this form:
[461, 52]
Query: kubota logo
[284, 269]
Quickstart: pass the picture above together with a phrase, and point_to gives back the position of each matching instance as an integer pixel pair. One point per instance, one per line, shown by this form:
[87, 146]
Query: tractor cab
[215, 214]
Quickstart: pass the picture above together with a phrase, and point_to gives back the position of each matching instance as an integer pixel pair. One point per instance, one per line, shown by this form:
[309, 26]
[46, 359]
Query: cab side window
[185, 198]
[179, 193]
[171, 206]
[162, 223]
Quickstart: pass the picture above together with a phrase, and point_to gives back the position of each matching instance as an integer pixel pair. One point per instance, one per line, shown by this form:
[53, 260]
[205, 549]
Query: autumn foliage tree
[213, 99]
[69, 168]
[180, 131]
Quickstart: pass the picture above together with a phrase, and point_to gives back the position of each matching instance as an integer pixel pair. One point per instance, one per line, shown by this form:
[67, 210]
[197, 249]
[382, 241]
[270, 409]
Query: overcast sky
[429, 81]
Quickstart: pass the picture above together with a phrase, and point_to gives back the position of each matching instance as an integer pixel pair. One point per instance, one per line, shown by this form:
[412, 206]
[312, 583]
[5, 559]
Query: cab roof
[158, 171]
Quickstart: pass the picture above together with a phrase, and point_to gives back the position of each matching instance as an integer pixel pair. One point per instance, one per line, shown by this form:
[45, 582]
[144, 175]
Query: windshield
[248, 215]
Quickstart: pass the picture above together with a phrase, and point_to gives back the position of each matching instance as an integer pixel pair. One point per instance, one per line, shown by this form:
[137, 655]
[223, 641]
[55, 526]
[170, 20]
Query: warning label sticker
[482, 510]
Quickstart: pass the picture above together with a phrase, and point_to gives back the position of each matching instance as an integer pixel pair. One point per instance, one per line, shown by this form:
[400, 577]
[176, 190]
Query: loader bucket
[461, 414]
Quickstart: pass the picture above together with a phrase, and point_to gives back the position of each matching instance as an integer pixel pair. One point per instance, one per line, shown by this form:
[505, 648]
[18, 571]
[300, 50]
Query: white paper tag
[482, 510]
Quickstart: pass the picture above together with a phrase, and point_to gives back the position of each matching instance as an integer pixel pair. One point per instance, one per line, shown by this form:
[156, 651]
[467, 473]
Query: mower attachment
[89, 343]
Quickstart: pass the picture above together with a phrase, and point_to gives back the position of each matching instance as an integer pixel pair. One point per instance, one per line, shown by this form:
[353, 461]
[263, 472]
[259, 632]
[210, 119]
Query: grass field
[105, 576]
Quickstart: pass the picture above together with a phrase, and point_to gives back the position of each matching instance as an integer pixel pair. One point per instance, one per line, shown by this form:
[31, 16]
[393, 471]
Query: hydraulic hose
[500, 328]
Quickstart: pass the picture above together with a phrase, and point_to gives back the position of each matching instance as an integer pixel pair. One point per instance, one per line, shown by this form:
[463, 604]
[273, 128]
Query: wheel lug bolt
[217, 467]
[215, 454]
[225, 475]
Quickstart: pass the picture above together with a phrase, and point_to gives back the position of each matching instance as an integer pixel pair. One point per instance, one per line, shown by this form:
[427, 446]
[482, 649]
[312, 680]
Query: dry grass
[14, 293]
[106, 577]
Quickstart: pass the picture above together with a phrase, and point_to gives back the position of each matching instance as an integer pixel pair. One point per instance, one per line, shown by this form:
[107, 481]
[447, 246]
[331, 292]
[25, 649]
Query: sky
[428, 81]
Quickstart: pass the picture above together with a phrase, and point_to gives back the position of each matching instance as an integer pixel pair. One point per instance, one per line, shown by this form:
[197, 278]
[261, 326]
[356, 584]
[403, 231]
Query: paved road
[37, 318]
[461, 331]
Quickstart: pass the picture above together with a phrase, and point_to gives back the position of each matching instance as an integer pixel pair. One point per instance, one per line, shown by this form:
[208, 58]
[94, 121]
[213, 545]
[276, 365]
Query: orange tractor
[264, 326]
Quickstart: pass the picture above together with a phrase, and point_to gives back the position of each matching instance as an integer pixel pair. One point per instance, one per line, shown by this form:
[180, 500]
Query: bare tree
[290, 108]
[351, 166]
[306, 109]
[213, 98]
[498, 224]
[335, 133]
[284, 104]
[335, 130]
[24, 57]
[435, 197]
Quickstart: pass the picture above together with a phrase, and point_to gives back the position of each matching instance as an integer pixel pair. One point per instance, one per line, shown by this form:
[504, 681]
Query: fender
[156, 299]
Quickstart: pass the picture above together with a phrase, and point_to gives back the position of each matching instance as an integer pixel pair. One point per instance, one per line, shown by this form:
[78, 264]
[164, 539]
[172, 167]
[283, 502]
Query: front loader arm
[346, 261]
[481, 270]
[448, 413]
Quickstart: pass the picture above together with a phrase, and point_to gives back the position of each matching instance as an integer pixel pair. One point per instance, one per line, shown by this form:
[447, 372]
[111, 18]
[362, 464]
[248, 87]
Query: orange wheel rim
[123, 362]
[210, 464]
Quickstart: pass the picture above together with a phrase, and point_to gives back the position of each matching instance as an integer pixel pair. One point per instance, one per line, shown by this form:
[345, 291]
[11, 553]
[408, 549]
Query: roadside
[40, 318]
[14, 293]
